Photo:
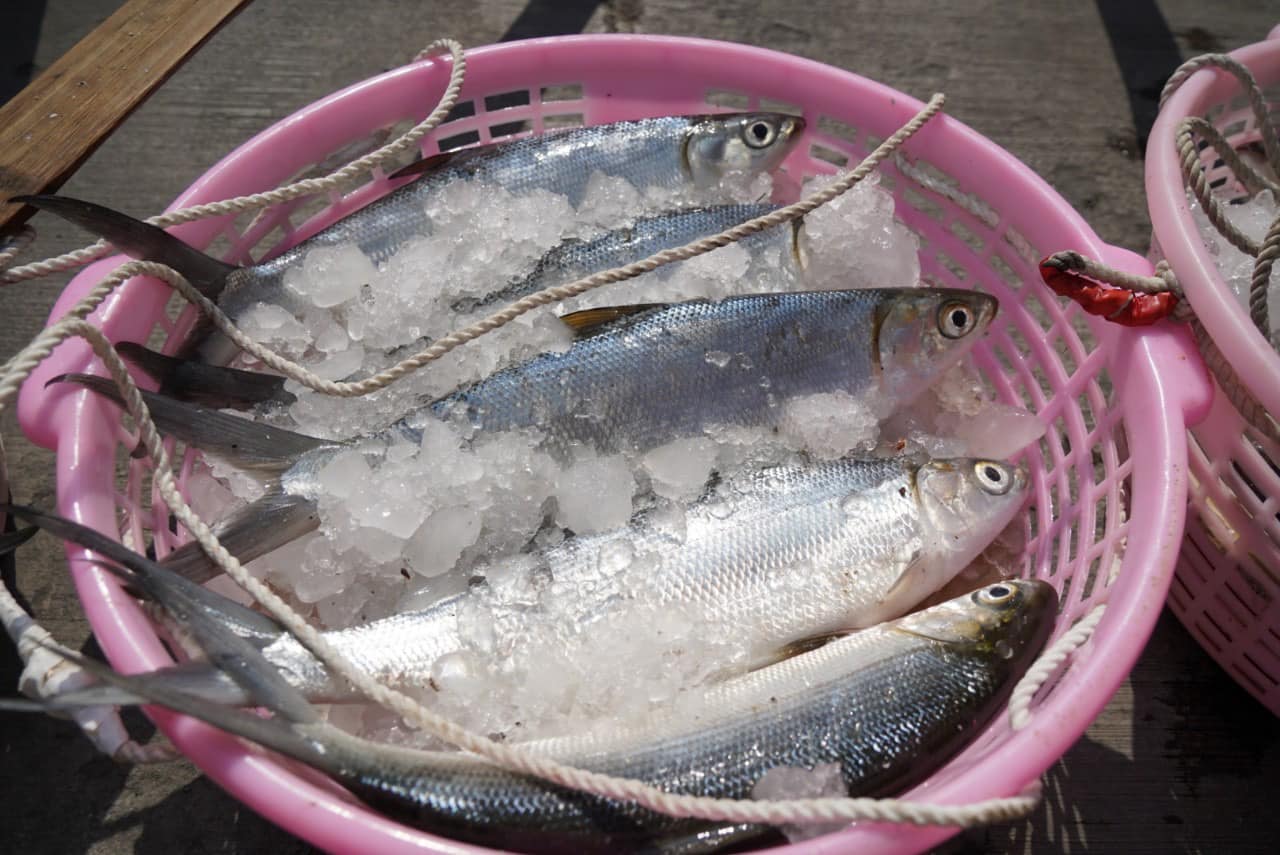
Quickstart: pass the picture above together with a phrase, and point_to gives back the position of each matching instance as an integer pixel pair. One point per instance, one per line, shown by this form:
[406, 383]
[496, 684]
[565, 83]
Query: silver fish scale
[887, 724]
[777, 555]
[641, 239]
[647, 152]
[644, 381]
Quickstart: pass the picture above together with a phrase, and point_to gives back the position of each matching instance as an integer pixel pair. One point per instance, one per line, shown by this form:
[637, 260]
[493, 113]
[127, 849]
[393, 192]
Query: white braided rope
[512, 758]
[335, 181]
[11, 246]
[1047, 665]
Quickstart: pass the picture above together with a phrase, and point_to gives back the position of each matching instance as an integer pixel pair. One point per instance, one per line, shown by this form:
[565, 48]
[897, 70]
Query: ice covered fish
[637, 378]
[888, 705]
[660, 152]
[767, 558]
[221, 388]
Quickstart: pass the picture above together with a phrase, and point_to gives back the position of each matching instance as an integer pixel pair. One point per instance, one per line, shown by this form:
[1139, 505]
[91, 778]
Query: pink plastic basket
[1227, 586]
[983, 219]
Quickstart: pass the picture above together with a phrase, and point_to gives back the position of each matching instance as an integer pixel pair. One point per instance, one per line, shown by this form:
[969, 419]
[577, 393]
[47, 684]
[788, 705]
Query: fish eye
[993, 477]
[994, 595]
[759, 133]
[955, 320]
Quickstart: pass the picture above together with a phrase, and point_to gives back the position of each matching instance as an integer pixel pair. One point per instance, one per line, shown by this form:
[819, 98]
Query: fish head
[920, 332]
[738, 143]
[1010, 620]
[964, 503]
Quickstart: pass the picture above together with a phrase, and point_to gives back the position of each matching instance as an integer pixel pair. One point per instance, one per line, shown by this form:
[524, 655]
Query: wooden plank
[54, 124]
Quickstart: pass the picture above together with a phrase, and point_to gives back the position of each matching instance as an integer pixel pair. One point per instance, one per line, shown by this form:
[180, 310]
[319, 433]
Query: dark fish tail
[140, 240]
[251, 446]
[239, 658]
[208, 385]
[10, 541]
[258, 528]
[276, 733]
[248, 533]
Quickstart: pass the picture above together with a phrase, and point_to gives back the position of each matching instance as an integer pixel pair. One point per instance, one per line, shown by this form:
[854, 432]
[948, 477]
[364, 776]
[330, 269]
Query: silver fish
[780, 554]
[230, 388]
[668, 151]
[647, 235]
[890, 705]
[638, 378]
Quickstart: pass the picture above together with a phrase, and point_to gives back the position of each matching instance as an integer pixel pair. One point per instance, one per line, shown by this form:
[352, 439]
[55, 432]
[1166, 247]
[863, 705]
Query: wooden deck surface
[1182, 760]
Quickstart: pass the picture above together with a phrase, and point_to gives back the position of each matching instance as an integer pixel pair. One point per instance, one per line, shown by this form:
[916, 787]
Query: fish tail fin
[208, 385]
[258, 528]
[140, 240]
[198, 680]
[248, 533]
[251, 446]
[10, 541]
[278, 733]
[239, 658]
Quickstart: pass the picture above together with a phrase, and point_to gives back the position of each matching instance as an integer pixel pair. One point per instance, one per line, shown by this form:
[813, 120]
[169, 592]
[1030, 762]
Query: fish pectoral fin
[589, 321]
[903, 580]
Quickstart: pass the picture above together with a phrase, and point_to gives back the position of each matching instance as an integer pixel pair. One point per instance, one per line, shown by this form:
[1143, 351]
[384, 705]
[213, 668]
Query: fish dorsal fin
[588, 321]
[437, 162]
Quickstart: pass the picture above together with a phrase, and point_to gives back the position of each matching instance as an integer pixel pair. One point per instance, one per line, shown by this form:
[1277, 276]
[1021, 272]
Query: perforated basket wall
[1227, 587]
[1105, 515]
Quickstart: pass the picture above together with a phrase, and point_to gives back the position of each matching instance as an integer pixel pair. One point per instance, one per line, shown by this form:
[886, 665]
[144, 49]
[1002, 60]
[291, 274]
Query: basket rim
[1178, 238]
[311, 808]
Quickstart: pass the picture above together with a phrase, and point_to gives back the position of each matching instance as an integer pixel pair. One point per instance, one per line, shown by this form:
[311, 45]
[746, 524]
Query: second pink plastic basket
[1109, 478]
[1227, 587]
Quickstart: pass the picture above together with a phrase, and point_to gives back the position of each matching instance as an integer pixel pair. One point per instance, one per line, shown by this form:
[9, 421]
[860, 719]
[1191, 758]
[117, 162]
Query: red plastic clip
[1118, 305]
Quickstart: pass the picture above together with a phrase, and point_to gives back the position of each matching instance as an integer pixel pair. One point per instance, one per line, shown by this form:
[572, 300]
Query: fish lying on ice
[774, 556]
[230, 388]
[890, 705]
[671, 151]
[636, 378]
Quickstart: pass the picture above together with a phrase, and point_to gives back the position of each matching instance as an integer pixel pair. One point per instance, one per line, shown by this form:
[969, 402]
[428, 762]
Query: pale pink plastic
[1227, 586]
[1106, 515]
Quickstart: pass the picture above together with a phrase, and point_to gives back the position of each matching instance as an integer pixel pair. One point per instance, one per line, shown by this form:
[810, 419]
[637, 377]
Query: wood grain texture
[53, 125]
[1181, 760]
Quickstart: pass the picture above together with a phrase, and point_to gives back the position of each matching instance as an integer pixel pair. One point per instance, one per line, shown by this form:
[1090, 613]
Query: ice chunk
[999, 431]
[594, 494]
[331, 275]
[784, 783]
[275, 327]
[830, 425]
[854, 241]
[437, 544]
[1253, 217]
[679, 469]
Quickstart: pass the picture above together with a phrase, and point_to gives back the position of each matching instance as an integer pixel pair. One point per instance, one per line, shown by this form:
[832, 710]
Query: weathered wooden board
[53, 125]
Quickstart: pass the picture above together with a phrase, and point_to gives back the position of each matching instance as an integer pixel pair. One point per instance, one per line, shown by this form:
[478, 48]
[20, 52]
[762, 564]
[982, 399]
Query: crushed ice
[405, 522]
[1253, 217]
